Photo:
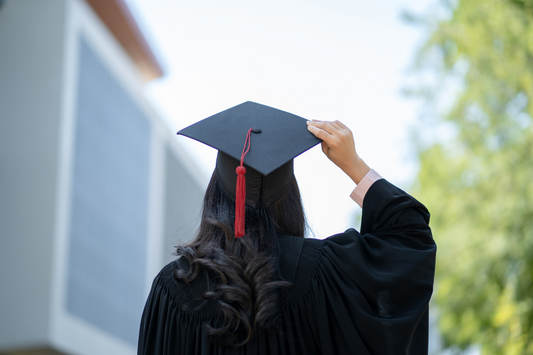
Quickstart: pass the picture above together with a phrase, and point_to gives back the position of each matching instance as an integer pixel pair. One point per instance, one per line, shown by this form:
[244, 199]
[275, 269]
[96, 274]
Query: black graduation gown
[353, 293]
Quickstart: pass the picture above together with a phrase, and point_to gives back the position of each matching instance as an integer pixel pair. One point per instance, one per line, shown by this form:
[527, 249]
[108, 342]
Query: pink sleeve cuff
[358, 194]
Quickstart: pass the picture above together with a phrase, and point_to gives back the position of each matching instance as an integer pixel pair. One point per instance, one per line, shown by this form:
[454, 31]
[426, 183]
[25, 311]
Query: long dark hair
[244, 270]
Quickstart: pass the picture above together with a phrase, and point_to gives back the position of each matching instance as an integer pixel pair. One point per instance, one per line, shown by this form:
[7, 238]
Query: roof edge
[117, 17]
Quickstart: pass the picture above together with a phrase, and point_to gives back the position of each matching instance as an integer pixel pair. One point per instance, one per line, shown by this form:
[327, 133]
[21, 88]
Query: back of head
[245, 270]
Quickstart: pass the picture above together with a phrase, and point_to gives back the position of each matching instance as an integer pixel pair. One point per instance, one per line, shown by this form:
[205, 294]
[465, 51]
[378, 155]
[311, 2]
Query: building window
[109, 215]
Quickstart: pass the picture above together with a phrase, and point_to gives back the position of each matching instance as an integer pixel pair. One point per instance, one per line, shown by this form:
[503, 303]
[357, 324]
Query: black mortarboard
[277, 138]
[283, 135]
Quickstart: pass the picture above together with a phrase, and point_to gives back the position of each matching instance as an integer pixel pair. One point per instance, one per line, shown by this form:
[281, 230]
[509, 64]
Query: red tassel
[240, 198]
[240, 192]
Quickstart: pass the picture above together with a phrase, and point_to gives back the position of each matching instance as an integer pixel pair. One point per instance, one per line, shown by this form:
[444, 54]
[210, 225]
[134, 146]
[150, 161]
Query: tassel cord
[240, 193]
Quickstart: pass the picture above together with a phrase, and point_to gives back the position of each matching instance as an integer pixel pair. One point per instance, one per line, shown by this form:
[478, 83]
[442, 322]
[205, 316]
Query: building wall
[183, 201]
[31, 59]
[94, 189]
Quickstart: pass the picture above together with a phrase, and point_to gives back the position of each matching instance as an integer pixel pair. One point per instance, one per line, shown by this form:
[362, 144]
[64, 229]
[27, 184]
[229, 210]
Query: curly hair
[245, 271]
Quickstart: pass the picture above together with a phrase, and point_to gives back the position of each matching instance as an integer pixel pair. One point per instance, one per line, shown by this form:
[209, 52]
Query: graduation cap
[256, 140]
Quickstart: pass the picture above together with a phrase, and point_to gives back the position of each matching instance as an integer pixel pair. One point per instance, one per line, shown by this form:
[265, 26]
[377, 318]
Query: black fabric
[289, 258]
[353, 293]
[269, 187]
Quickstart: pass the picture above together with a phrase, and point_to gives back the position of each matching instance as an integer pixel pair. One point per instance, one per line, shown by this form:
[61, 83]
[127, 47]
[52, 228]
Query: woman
[274, 292]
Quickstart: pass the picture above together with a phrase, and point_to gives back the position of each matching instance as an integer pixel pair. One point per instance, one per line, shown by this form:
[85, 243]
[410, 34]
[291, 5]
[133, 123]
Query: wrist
[357, 170]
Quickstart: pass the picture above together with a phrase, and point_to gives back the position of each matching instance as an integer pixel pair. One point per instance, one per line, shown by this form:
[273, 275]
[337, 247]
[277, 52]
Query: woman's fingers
[341, 125]
[327, 131]
[336, 125]
[329, 127]
[319, 131]
[339, 146]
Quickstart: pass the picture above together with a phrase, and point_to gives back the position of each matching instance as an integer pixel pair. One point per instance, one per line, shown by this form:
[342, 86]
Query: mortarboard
[273, 138]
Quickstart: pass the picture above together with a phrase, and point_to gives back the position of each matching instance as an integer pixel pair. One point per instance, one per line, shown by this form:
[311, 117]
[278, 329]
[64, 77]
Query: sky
[345, 60]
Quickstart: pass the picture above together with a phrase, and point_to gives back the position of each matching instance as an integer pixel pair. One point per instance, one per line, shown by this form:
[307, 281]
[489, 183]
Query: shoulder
[165, 281]
[166, 273]
[184, 297]
[165, 277]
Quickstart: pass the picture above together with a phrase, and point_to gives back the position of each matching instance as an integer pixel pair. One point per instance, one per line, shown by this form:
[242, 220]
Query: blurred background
[96, 188]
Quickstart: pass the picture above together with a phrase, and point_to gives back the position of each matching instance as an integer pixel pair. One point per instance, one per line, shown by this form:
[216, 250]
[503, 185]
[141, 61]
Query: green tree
[478, 182]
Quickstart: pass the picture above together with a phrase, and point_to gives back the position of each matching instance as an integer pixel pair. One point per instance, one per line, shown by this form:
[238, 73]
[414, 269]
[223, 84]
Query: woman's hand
[339, 146]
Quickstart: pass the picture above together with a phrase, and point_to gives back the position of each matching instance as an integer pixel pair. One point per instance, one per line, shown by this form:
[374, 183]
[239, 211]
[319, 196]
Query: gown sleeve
[377, 283]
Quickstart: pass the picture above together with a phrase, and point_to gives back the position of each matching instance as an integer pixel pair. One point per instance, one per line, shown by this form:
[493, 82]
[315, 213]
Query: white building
[94, 189]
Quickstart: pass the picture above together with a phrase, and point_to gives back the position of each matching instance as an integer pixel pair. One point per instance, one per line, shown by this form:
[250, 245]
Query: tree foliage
[478, 184]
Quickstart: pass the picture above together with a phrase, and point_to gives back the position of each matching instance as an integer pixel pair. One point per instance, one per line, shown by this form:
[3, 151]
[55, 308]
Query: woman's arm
[385, 272]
